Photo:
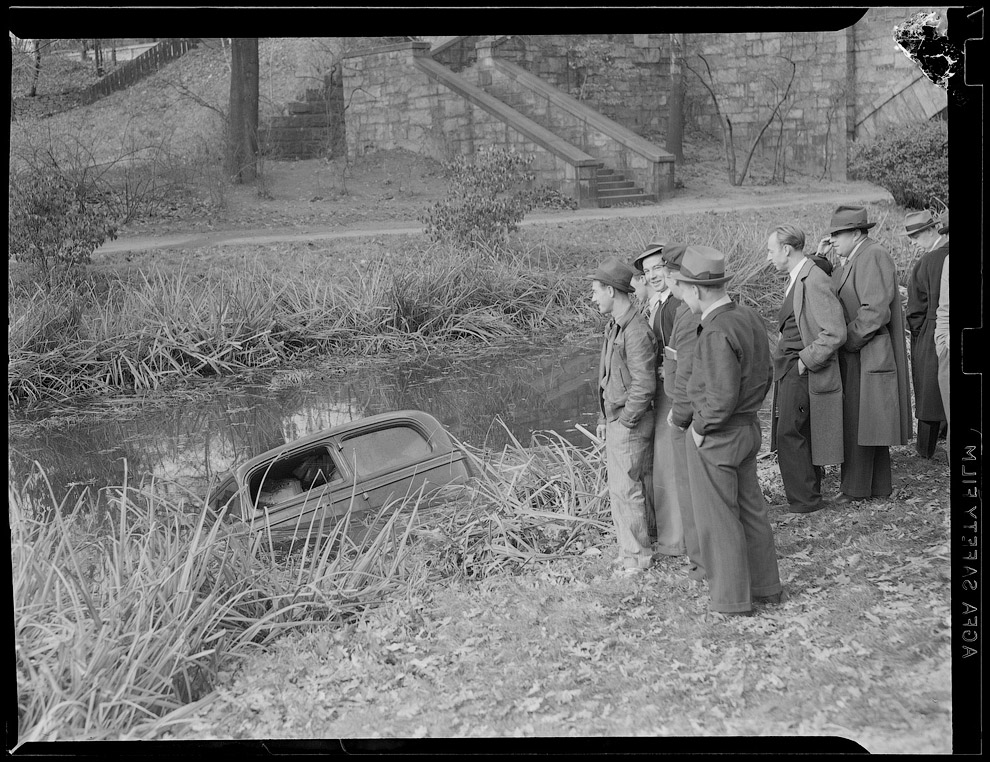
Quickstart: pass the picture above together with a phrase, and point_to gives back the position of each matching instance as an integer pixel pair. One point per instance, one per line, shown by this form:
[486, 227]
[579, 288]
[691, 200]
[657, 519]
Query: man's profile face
[603, 296]
[776, 253]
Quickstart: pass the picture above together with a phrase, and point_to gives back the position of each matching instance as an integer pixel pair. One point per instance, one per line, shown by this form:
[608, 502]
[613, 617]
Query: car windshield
[384, 449]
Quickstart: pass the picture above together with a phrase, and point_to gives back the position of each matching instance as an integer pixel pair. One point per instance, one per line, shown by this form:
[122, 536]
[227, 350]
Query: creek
[187, 444]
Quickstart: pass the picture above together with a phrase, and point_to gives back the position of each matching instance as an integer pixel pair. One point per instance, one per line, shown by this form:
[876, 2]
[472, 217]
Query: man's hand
[802, 368]
[670, 421]
[824, 246]
[698, 438]
[600, 431]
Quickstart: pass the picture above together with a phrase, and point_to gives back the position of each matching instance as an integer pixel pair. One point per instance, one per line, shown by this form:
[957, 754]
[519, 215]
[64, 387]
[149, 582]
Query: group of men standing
[685, 369]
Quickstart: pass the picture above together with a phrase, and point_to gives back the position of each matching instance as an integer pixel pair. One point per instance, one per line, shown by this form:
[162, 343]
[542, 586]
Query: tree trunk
[242, 126]
[37, 68]
[98, 57]
[675, 106]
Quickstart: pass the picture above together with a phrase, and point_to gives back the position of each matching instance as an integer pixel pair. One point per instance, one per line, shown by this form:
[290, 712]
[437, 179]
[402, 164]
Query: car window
[287, 477]
[384, 449]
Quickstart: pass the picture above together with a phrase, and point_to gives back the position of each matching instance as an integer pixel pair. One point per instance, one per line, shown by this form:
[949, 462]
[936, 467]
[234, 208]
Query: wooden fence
[140, 67]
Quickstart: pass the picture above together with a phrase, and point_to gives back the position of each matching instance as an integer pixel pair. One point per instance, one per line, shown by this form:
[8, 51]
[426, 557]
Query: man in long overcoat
[923, 297]
[876, 405]
[807, 431]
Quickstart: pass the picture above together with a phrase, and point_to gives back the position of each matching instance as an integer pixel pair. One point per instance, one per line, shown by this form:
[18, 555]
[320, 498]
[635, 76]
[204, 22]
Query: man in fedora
[876, 403]
[627, 383]
[942, 335]
[921, 229]
[677, 364]
[807, 427]
[731, 374]
[663, 497]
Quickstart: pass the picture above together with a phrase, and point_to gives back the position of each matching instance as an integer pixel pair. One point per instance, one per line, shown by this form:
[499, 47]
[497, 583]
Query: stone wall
[393, 104]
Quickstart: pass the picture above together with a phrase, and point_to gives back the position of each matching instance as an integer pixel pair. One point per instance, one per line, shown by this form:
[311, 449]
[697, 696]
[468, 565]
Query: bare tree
[37, 67]
[675, 105]
[726, 123]
[242, 124]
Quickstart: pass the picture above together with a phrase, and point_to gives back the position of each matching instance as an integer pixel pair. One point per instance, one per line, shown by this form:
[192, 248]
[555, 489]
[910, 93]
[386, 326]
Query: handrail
[571, 105]
[523, 124]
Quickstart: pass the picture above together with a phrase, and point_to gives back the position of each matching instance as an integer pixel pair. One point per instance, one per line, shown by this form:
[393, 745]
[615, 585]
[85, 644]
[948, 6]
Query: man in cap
[627, 383]
[942, 336]
[663, 497]
[730, 378]
[678, 359]
[807, 427]
[921, 230]
[876, 403]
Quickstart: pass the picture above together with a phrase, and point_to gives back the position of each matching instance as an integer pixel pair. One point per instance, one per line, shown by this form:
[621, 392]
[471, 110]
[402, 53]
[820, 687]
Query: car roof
[426, 421]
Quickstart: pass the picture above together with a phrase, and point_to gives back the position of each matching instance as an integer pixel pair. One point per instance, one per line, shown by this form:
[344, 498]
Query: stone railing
[610, 142]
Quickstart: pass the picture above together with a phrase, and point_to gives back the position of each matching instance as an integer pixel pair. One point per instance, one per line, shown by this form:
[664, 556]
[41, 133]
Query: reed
[125, 614]
[123, 619]
[162, 325]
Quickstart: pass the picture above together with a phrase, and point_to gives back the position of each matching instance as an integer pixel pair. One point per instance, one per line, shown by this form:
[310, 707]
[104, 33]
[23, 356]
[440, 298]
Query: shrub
[909, 160]
[53, 225]
[486, 198]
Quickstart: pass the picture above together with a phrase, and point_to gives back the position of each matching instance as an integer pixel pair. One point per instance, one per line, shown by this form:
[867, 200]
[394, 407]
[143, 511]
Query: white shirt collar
[794, 273]
[724, 300]
[940, 241]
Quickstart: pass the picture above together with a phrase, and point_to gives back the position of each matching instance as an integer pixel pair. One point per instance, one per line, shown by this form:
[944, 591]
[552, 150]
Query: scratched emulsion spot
[924, 40]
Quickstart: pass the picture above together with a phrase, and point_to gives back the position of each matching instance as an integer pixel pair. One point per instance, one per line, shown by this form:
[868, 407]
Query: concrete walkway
[862, 193]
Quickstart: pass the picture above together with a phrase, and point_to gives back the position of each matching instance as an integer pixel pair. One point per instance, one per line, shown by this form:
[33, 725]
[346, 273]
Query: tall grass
[136, 334]
[122, 619]
[124, 616]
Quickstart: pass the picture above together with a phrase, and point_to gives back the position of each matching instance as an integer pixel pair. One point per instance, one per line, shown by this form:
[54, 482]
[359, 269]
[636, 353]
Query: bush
[486, 199]
[909, 160]
[52, 224]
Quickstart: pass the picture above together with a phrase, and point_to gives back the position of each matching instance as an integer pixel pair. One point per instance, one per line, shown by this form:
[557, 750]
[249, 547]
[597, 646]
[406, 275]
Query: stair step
[638, 198]
[612, 192]
[615, 184]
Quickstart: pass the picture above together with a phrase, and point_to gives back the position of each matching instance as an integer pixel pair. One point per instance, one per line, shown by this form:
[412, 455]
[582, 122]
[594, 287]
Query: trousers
[664, 499]
[733, 527]
[679, 445]
[802, 479]
[943, 387]
[628, 457]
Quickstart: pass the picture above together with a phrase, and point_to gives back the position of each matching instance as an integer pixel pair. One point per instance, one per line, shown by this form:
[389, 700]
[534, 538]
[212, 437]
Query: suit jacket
[731, 372]
[822, 326]
[627, 370]
[871, 303]
[663, 327]
[923, 300]
[677, 373]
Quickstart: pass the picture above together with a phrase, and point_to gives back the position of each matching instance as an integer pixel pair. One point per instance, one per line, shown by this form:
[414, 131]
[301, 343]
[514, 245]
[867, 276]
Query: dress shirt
[793, 275]
[724, 300]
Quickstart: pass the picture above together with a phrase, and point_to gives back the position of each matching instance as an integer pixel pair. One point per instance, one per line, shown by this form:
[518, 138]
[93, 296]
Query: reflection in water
[188, 444]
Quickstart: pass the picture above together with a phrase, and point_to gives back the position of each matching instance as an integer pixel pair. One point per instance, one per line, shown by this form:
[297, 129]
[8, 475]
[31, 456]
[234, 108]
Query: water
[186, 445]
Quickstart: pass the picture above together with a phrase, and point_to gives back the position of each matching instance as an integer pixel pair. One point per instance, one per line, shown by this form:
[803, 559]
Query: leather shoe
[787, 508]
[843, 499]
[772, 600]
[721, 616]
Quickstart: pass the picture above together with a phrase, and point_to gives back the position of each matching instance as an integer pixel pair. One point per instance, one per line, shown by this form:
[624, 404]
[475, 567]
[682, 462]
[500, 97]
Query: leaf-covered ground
[858, 649]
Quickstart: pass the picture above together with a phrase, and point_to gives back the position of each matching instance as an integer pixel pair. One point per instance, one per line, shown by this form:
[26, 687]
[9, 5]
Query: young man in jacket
[730, 377]
[663, 498]
[807, 427]
[627, 384]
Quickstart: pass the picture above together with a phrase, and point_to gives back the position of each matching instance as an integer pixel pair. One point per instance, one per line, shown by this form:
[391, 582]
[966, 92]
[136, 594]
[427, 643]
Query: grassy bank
[496, 616]
[143, 321]
[125, 616]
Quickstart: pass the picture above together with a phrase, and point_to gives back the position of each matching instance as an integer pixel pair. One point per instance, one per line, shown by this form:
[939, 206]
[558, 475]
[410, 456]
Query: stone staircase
[311, 129]
[614, 189]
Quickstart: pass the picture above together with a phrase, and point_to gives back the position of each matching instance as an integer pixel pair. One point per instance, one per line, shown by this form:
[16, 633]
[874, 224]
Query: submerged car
[311, 483]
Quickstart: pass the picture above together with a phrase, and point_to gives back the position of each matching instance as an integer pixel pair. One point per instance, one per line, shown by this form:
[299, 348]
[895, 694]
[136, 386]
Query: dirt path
[688, 204]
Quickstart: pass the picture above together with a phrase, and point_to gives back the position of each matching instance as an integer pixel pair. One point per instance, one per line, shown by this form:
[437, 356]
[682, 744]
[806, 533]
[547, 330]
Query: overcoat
[867, 288]
[822, 325]
[923, 290]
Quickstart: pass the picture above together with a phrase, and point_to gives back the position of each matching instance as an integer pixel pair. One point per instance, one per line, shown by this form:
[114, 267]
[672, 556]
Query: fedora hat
[673, 255]
[702, 266]
[615, 273]
[849, 218]
[654, 247]
[915, 222]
